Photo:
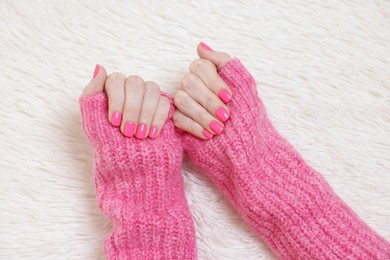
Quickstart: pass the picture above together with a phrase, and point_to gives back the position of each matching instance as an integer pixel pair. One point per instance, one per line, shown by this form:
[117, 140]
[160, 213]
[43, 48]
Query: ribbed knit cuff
[94, 122]
[236, 76]
[139, 187]
[296, 212]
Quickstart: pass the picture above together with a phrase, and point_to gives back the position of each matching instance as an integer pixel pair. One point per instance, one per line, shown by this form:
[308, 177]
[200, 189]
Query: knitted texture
[139, 186]
[286, 202]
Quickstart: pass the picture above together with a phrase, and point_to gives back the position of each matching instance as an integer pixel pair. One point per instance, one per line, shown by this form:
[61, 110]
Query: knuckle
[189, 80]
[152, 86]
[131, 111]
[165, 102]
[115, 103]
[202, 118]
[114, 79]
[199, 64]
[136, 80]
[148, 112]
[116, 76]
[208, 101]
[180, 122]
[215, 81]
[189, 128]
[180, 98]
[225, 56]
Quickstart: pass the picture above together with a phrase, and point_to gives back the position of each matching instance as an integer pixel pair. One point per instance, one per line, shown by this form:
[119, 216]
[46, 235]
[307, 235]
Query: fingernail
[141, 131]
[129, 129]
[153, 132]
[224, 95]
[116, 119]
[205, 46]
[222, 114]
[207, 134]
[96, 71]
[216, 127]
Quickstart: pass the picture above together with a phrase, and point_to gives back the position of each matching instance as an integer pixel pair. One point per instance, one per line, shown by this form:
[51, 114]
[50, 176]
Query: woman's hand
[134, 105]
[200, 102]
[138, 183]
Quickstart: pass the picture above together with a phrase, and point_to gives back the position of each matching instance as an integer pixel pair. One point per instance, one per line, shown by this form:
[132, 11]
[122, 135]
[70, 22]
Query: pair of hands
[140, 110]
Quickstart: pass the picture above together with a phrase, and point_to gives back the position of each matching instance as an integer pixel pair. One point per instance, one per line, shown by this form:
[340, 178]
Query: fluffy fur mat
[323, 69]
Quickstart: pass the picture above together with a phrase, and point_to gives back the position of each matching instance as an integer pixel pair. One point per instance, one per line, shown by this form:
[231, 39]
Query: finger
[148, 109]
[196, 112]
[134, 93]
[194, 86]
[114, 88]
[96, 85]
[207, 71]
[187, 124]
[219, 59]
[160, 117]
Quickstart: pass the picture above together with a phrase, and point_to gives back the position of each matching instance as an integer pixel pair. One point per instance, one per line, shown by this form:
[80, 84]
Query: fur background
[323, 69]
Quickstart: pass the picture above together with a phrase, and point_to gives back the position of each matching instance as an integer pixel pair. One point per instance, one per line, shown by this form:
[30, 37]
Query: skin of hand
[134, 105]
[201, 100]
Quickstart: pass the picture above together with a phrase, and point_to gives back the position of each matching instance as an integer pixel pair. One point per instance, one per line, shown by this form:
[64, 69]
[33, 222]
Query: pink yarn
[286, 202]
[139, 186]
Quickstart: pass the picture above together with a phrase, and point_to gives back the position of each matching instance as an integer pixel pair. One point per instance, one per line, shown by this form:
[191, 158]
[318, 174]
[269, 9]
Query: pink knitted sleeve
[139, 186]
[286, 202]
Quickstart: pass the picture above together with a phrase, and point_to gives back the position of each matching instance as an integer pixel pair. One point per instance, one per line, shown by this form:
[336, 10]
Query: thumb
[96, 85]
[219, 59]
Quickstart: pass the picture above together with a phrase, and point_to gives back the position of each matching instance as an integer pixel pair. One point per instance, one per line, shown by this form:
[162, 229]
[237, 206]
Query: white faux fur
[324, 74]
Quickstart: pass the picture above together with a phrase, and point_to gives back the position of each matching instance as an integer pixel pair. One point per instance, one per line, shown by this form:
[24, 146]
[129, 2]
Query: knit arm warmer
[286, 202]
[139, 186]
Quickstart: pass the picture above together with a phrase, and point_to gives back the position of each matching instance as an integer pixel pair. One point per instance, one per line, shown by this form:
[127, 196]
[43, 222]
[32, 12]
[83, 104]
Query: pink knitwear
[286, 202]
[139, 186]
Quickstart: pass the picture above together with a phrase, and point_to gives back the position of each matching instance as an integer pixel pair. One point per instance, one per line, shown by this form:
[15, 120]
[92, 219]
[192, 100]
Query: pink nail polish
[205, 46]
[141, 131]
[116, 119]
[96, 71]
[224, 96]
[153, 132]
[222, 114]
[129, 129]
[207, 134]
[216, 127]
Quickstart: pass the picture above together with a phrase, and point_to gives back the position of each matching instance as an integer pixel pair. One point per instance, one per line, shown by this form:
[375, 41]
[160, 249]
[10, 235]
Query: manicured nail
[116, 119]
[205, 46]
[207, 134]
[216, 127]
[224, 95]
[96, 71]
[222, 114]
[129, 129]
[141, 131]
[153, 132]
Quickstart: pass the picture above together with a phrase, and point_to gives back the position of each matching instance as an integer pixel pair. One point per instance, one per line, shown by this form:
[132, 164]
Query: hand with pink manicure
[134, 105]
[201, 101]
